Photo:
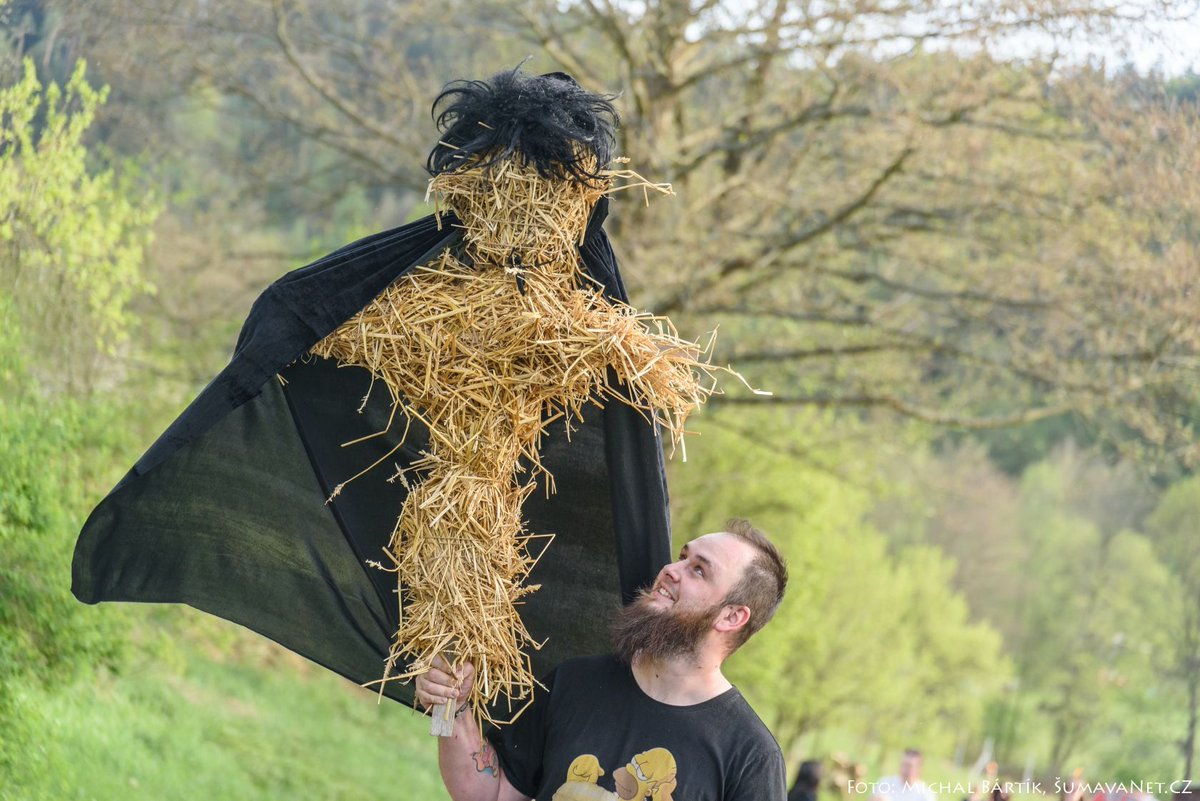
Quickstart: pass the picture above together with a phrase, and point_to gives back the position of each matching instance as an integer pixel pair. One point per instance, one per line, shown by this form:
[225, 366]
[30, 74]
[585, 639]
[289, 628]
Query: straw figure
[490, 343]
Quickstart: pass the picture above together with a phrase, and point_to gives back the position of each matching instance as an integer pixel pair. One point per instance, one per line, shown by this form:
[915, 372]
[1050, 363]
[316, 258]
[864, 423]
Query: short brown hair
[763, 583]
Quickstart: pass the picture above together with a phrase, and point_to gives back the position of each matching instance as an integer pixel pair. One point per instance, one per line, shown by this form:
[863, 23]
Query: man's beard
[640, 629]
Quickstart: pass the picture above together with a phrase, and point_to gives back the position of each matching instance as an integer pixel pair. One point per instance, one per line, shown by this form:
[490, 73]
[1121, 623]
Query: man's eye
[699, 570]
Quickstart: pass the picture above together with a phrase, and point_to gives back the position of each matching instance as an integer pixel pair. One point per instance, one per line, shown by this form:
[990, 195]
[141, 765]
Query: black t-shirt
[593, 735]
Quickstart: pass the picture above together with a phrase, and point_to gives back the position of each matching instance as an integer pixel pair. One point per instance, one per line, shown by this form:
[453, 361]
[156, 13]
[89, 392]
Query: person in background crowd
[908, 786]
[808, 781]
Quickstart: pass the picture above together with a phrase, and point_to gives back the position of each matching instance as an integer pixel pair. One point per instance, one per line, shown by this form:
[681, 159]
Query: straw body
[487, 347]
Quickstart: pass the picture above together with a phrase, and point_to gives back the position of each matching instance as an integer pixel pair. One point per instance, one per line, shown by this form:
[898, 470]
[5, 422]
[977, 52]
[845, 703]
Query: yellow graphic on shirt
[581, 782]
[585, 768]
[649, 776]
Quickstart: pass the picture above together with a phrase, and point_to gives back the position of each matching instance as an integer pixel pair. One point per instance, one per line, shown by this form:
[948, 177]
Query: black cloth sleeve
[763, 778]
[521, 745]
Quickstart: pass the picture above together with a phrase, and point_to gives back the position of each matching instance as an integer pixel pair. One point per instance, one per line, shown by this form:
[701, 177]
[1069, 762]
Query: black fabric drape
[227, 510]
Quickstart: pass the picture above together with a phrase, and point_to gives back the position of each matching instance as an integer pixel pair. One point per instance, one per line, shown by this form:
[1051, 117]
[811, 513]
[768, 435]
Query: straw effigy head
[546, 122]
[521, 161]
[516, 217]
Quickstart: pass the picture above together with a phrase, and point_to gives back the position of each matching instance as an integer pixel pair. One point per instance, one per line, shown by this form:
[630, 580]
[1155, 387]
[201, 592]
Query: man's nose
[671, 571]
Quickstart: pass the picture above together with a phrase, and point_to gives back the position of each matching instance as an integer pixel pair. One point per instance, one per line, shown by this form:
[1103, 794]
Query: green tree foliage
[867, 640]
[1175, 526]
[56, 452]
[1186, 87]
[1055, 563]
[71, 237]
[70, 248]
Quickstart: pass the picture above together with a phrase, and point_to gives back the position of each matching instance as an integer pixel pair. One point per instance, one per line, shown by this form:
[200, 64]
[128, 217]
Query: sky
[1172, 48]
[1169, 47]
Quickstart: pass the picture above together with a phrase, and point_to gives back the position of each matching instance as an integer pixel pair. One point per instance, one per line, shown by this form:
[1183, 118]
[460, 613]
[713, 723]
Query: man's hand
[445, 685]
[469, 766]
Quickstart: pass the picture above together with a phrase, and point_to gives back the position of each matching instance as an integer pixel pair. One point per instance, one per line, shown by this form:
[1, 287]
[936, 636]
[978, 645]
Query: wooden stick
[441, 724]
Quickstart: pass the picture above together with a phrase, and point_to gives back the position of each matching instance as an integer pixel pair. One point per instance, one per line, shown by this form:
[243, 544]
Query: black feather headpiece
[549, 121]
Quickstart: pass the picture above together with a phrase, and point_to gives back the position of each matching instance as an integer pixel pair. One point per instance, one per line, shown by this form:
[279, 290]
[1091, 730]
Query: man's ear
[732, 618]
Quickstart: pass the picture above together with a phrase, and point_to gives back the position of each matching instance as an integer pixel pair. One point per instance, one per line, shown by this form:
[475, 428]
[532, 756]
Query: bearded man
[655, 720]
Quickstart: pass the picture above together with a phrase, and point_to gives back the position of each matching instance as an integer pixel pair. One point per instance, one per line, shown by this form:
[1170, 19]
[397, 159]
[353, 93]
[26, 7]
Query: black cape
[227, 511]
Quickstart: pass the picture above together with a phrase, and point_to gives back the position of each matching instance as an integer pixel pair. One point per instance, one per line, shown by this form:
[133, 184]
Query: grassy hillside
[206, 720]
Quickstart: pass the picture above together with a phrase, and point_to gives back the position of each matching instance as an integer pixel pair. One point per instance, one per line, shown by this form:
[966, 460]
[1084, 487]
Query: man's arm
[470, 769]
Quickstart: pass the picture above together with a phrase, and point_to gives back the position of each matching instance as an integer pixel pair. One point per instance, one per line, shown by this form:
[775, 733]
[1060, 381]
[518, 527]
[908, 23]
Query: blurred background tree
[872, 202]
[1173, 527]
[71, 246]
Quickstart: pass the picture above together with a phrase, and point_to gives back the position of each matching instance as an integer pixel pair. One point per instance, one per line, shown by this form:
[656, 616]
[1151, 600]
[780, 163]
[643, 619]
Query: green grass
[197, 725]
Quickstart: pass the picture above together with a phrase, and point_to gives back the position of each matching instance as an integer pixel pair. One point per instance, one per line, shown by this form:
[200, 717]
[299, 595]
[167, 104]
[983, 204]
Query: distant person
[908, 786]
[1074, 790]
[844, 773]
[808, 781]
[1187, 791]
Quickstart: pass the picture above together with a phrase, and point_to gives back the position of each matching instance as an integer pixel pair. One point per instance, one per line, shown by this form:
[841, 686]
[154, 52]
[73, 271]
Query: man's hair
[915, 752]
[762, 584]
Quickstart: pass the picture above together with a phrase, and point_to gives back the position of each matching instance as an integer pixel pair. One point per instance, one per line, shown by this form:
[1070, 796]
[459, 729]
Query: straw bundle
[487, 347]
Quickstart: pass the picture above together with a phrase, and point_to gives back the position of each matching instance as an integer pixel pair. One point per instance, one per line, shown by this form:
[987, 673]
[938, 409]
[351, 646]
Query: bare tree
[884, 224]
[878, 212]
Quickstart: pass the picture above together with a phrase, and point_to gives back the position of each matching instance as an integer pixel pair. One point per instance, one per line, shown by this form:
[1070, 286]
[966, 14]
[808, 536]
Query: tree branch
[328, 93]
[903, 407]
[728, 268]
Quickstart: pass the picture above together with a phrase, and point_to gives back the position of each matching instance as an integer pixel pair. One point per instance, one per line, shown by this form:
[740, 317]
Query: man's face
[686, 600]
[707, 569]
[910, 768]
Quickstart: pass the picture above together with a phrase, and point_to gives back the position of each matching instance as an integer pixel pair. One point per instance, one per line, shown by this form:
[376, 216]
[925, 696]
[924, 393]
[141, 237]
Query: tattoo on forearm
[485, 761]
